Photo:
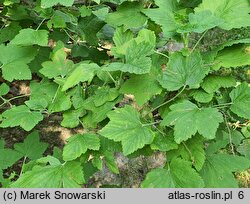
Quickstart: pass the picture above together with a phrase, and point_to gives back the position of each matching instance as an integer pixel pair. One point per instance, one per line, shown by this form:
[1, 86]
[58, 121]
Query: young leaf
[125, 126]
[21, 116]
[240, 97]
[68, 175]
[30, 36]
[183, 71]
[79, 144]
[218, 168]
[179, 175]
[31, 147]
[188, 119]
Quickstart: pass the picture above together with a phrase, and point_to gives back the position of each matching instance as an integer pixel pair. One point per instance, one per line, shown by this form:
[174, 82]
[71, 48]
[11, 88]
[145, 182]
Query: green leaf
[233, 12]
[246, 131]
[200, 22]
[191, 150]
[213, 83]
[84, 11]
[42, 94]
[4, 89]
[60, 102]
[164, 143]
[188, 119]
[105, 94]
[89, 27]
[110, 145]
[218, 168]
[135, 51]
[97, 161]
[20, 116]
[110, 162]
[127, 14]
[8, 156]
[79, 144]
[136, 59]
[82, 72]
[143, 87]
[9, 32]
[121, 39]
[99, 113]
[202, 96]
[164, 16]
[220, 142]
[240, 97]
[30, 36]
[31, 147]
[183, 71]
[233, 56]
[211, 55]
[101, 13]
[59, 66]
[15, 60]
[50, 3]
[68, 175]
[179, 175]
[71, 118]
[244, 148]
[125, 126]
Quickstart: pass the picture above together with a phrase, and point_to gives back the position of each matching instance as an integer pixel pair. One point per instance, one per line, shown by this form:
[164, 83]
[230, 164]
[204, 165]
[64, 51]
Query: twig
[229, 133]
[152, 110]
[197, 43]
[159, 53]
[40, 24]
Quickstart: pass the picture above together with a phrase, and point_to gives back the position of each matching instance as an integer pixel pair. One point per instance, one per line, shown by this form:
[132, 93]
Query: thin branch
[24, 160]
[197, 43]
[71, 37]
[40, 24]
[112, 78]
[159, 53]
[189, 152]
[149, 124]
[224, 104]
[229, 133]
[163, 104]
